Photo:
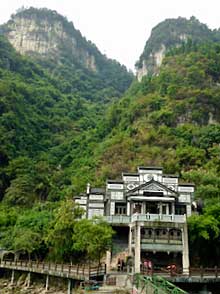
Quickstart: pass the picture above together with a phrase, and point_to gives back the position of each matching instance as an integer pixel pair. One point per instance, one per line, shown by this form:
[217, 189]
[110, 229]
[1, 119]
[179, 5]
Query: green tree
[29, 231]
[21, 191]
[204, 236]
[25, 240]
[61, 230]
[92, 238]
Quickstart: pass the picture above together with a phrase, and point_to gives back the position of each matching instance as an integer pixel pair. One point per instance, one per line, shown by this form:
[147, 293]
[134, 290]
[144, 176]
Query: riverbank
[39, 288]
[6, 288]
[21, 288]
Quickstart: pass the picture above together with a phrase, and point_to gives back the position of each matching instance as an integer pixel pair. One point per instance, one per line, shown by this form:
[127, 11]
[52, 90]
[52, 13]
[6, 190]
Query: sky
[120, 28]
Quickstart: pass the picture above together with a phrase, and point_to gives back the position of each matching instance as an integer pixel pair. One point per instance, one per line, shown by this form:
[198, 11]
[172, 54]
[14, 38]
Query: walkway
[86, 272]
[75, 272]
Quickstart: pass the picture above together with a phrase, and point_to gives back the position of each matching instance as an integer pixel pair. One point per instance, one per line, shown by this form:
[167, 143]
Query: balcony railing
[124, 219]
[118, 219]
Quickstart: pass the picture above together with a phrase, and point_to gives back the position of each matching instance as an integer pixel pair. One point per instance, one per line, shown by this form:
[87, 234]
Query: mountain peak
[167, 34]
[53, 41]
[45, 33]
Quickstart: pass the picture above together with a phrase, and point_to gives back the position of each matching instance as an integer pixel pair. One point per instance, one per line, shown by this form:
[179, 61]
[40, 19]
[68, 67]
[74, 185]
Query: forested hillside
[43, 131]
[173, 120]
[35, 116]
[63, 125]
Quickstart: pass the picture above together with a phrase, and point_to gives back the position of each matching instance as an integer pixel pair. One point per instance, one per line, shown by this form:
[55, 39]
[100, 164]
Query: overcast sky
[120, 28]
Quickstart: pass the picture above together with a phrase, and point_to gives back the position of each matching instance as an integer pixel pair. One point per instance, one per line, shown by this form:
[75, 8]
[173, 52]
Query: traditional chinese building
[148, 210]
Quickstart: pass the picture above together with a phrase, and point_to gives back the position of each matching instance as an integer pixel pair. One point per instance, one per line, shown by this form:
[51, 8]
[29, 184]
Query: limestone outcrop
[171, 33]
[45, 33]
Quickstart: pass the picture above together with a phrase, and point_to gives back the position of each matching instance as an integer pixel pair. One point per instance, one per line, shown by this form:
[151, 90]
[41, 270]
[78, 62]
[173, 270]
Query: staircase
[142, 285]
[155, 285]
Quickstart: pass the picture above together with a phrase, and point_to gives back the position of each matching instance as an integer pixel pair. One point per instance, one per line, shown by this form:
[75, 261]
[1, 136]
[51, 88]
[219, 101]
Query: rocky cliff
[167, 34]
[43, 33]
[52, 41]
[46, 34]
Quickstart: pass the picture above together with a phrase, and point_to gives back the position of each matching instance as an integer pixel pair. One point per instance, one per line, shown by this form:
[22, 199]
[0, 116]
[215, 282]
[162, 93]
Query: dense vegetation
[40, 125]
[49, 107]
[55, 138]
[172, 120]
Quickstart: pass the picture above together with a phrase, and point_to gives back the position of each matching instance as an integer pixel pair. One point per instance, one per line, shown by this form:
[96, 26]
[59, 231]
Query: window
[180, 209]
[120, 209]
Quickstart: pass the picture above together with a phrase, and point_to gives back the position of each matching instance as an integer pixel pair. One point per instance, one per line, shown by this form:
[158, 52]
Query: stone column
[131, 208]
[160, 208]
[69, 288]
[185, 253]
[47, 283]
[29, 279]
[108, 261]
[173, 210]
[167, 208]
[137, 250]
[128, 208]
[130, 241]
[12, 277]
[143, 208]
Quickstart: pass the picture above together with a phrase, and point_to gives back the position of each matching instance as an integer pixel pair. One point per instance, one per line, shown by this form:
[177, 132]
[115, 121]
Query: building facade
[149, 211]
